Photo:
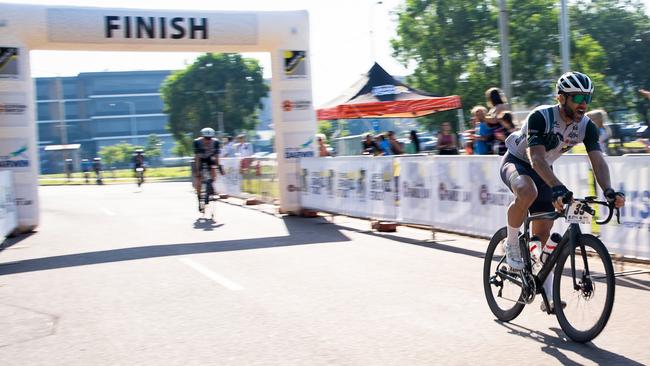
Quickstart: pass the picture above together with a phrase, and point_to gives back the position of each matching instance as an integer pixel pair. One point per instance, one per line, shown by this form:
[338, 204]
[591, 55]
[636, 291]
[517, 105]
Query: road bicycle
[584, 276]
[207, 192]
[139, 175]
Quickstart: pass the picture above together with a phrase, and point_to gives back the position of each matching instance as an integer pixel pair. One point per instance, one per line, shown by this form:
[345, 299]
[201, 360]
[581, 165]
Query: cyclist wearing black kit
[546, 134]
[206, 156]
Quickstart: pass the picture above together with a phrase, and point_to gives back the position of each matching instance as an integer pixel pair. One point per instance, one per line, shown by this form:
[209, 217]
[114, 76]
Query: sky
[347, 36]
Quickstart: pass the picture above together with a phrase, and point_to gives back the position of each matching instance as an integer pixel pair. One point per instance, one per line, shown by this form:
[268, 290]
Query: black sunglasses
[579, 98]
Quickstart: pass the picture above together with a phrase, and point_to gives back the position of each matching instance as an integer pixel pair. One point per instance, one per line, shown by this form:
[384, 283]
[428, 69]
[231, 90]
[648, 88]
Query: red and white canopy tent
[379, 95]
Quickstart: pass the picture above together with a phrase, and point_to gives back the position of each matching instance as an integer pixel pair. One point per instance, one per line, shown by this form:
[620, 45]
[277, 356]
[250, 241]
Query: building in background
[98, 109]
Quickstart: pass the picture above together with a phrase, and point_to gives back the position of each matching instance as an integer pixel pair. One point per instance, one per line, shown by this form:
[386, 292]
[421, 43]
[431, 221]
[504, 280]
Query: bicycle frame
[570, 238]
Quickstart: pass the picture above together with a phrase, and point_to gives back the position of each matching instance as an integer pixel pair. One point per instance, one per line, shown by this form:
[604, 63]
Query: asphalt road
[121, 276]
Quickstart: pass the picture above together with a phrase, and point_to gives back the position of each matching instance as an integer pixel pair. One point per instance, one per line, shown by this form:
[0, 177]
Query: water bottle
[535, 247]
[550, 246]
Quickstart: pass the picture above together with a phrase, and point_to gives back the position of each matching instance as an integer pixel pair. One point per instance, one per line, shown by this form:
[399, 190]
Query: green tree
[622, 29]
[448, 40]
[153, 149]
[117, 155]
[326, 128]
[183, 146]
[109, 155]
[214, 84]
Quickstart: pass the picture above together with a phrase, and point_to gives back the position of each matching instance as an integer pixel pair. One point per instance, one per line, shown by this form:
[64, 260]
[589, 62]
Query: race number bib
[576, 214]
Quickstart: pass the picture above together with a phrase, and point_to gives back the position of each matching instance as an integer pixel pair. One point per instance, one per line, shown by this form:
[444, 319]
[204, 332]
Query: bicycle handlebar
[592, 200]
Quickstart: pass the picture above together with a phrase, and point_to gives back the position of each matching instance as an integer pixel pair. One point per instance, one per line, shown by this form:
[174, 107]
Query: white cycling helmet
[207, 132]
[574, 82]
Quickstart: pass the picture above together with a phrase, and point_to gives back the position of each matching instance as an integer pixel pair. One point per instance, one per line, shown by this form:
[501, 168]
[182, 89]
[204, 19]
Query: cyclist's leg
[213, 177]
[517, 176]
[542, 228]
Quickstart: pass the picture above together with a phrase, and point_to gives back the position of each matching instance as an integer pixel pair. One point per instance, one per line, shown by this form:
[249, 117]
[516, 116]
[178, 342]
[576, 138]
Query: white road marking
[107, 211]
[223, 281]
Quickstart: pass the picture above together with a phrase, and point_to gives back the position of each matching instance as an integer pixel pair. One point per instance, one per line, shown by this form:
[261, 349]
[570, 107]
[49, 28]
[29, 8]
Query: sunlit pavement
[118, 275]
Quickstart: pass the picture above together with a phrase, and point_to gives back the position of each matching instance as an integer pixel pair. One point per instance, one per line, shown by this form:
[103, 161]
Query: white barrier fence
[465, 194]
[8, 216]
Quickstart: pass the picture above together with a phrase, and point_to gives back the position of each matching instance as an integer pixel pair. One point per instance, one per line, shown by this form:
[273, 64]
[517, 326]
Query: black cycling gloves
[610, 195]
[562, 191]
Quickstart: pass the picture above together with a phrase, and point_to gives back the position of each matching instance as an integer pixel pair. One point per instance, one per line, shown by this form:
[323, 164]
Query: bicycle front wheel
[503, 296]
[590, 300]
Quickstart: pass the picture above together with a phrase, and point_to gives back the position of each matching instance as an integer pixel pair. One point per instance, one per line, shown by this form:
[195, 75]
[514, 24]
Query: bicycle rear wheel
[590, 303]
[502, 295]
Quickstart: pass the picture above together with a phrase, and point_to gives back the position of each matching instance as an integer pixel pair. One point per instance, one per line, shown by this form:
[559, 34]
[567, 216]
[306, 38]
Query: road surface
[116, 275]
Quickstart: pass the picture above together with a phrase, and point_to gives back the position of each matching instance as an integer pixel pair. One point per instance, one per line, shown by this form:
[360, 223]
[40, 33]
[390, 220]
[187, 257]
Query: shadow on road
[206, 224]
[554, 345]
[301, 232]
[437, 245]
[11, 241]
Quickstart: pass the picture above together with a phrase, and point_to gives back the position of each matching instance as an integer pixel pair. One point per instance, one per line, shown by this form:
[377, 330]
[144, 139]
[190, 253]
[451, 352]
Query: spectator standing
[369, 146]
[507, 127]
[228, 150]
[322, 146]
[413, 147]
[498, 104]
[384, 144]
[395, 146]
[483, 134]
[243, 148]
[447, 144]
[599, 116]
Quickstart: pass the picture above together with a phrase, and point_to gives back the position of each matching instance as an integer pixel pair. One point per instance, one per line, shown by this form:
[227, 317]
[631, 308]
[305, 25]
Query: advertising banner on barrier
[490, 196]
[317, 184]
[352, 185]
[382, 189]
[415, 189]
[230, 182]
[452, 203]
[8, 219]
[630, 175]
[465, 194]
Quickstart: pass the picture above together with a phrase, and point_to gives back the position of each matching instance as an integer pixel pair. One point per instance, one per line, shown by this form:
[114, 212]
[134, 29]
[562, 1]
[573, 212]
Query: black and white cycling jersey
[544, 126]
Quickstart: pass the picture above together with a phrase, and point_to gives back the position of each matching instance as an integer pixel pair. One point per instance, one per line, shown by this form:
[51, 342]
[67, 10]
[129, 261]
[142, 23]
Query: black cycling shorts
[512, 167]
[208, 162]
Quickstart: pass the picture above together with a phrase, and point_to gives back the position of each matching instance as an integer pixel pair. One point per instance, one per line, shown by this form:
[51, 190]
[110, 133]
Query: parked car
[427, 141]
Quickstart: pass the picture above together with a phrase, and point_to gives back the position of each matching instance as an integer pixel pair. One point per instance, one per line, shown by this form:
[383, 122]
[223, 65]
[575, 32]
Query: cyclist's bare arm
[601, 170]
[536, 156]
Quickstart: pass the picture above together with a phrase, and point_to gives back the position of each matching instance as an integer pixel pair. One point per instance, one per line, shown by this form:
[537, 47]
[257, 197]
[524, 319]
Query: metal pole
[506, 84]
[564, 36]
[220, 122]
[134, 127]
[63, 132]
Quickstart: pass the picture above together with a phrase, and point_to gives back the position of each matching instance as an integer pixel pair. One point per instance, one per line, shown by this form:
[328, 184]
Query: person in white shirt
[243, 149]
[228, 150]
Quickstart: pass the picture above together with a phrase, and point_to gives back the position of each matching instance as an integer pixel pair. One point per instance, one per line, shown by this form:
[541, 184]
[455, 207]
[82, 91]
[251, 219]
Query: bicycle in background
[139, 175]
[206, 197]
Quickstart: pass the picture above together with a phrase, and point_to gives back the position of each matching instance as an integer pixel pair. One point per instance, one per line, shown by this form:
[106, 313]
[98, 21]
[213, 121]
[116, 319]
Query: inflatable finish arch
[285, 35]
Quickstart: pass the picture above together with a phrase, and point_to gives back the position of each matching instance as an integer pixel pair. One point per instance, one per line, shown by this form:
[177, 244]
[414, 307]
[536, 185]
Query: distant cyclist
[548, 132]
[139, 165]
[206, 156]
[97, 167]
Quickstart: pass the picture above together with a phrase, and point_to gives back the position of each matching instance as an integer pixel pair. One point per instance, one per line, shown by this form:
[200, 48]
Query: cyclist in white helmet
[206, 156]
[548, 132]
